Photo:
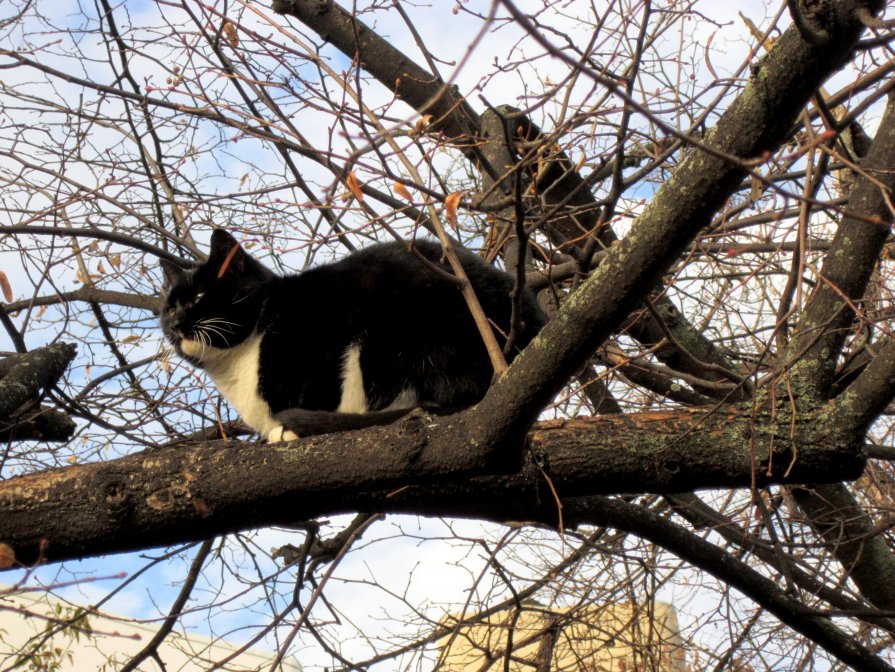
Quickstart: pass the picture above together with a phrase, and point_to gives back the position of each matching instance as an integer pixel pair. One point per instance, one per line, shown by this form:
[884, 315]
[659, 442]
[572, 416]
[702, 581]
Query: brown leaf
[354, 185]
[115, 260]
[232, 34]
[450, 206]
[423, 123]
[7, 556]
[401, 190]
[133, 338]
[6, 287]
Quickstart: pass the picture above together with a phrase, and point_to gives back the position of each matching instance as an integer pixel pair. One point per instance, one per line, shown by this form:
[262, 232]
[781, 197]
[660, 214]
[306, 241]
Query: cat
[346, 345]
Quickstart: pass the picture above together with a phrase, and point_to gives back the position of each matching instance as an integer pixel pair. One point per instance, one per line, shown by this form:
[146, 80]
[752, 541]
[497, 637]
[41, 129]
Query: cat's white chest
[235, 374]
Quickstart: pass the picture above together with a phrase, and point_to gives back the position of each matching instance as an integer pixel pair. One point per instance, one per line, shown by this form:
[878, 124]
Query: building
[609, 638]
[107, 642]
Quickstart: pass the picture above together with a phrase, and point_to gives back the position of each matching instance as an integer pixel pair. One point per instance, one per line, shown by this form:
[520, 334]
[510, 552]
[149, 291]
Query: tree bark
[854, 254]
[168, 495]
[23, 376]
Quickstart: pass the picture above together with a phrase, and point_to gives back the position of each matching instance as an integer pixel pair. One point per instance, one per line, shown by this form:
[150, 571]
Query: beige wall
[114, 640]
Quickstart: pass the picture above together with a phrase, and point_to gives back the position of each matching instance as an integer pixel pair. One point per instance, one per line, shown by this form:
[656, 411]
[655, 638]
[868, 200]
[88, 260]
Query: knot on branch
[811, 18]
[23, 381]
[297, 8]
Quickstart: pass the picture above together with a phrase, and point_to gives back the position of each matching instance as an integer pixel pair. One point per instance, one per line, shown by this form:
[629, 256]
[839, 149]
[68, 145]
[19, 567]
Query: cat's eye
[193, 301]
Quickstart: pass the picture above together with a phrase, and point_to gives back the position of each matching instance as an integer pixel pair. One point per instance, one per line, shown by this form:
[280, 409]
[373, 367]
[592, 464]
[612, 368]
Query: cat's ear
[231, 260]
[172, 272]
[226, 254]
[222, 243]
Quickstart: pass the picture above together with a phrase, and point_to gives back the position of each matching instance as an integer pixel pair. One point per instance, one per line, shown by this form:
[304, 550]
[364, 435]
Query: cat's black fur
[382, 308]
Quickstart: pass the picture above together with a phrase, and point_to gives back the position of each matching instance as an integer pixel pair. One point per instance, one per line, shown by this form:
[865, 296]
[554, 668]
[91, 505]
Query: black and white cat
[346, 345]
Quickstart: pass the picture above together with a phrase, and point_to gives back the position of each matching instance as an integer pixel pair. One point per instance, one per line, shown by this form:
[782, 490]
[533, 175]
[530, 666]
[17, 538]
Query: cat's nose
[176, 318]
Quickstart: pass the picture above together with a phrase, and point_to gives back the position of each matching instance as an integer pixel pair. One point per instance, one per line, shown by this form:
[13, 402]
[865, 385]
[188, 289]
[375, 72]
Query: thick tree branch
[419, 88]
[849, 533]
[168, 495]
[89, 294]
[40, 424]
[848, 265]
[872, 391]
[757, 121]
[701, 515]
[833, 512]
[705, 555]
[24, 376]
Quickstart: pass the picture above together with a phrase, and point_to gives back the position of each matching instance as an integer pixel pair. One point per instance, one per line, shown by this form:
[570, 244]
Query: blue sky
[429, 569]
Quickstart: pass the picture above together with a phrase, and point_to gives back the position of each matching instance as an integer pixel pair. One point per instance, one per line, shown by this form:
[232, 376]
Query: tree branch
[848, 265]
[757, 121]
[420, 89]
[705, 555]
[25, 375]
[420, 464]
[870, 393]
[92, 295]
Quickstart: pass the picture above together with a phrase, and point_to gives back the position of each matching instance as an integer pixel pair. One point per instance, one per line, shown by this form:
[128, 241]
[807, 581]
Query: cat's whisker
[218, 323]
[218, 326]
[204, 341]
[215, 330]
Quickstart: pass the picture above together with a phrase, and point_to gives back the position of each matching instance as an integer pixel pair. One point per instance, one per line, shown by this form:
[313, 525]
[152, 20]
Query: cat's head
[216, 305]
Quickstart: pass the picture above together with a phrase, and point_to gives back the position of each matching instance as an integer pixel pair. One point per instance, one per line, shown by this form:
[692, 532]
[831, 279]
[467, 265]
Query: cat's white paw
[279, 434]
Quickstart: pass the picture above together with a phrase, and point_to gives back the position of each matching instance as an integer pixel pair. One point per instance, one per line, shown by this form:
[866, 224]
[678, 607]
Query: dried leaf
[133, 338]
[450, 206]
[354, 186]
[6, 287]
[581, 161]
[243, 179]
[7, 556]
[115, 260]
[401, 190]
[100, 268]
[232, 34]
[423, 123]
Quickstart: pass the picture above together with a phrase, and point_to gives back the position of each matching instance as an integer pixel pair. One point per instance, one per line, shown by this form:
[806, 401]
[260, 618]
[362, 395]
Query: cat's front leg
[296, 422]
[279, 434]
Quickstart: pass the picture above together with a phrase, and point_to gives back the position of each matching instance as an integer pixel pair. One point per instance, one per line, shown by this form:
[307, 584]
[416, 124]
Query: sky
[430, 569]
